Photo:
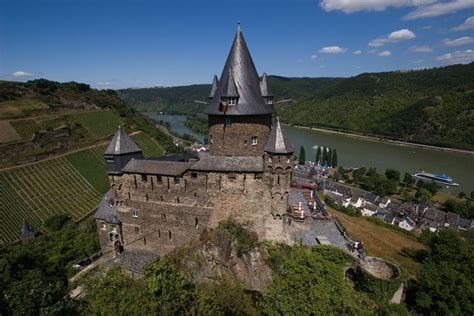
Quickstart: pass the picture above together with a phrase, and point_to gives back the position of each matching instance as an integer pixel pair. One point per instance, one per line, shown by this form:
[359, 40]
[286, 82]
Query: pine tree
[318, 155]
[334, 158]
[330, 157]
[324, 161]
[302, 157]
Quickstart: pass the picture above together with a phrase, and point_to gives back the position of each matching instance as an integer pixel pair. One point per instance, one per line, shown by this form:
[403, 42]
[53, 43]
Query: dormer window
[269, 100]
[232, 101]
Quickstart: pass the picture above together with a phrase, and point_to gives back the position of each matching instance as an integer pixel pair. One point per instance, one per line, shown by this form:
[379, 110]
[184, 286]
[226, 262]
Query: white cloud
[314, 57]
[394, 37]
[385, 53]
[468, 24]
[350, 6]
[357, 52]
[401, 35]
[439, 8]
[457, 57]
[332, 50]
[21, 74]
[459, 41]
[421, 49]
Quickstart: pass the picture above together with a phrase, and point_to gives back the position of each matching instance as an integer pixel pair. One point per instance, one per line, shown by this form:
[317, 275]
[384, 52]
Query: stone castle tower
[157, 204]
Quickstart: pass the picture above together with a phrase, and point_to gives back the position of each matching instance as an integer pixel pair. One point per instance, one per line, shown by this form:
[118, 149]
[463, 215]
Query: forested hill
[431, 106]
[180, 100]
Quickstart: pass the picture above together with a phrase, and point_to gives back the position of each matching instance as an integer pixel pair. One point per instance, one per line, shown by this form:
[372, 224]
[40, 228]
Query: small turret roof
[26, 229]
[266, 92]
[122, 144]
[215, 82]
[277, 142]
[240, 69]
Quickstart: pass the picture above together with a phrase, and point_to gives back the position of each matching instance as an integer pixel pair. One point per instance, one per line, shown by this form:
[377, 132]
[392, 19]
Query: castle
[157, 204]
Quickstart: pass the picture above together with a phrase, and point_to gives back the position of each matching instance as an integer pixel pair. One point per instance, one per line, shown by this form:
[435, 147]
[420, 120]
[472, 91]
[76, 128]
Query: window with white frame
[254, 140]
[232, 101]
[134, 213]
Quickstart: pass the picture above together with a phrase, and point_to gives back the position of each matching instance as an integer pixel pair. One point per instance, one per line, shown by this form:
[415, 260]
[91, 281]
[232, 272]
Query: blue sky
[138, 43]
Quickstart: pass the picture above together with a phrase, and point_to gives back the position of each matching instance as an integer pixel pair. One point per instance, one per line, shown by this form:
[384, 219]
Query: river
[352, 152]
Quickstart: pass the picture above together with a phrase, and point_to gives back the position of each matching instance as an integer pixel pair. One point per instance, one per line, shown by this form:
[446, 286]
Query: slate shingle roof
[107, 210]
[122, 144]
[147, 166]
[240, 67]
[277, 142]
[229, 164]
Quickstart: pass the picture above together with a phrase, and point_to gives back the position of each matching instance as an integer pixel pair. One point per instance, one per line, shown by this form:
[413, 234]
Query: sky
[137, 43]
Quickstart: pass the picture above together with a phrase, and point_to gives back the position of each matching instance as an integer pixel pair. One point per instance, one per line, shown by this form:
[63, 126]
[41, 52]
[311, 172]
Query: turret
[239, 116]
[265, 89]
[120, 151]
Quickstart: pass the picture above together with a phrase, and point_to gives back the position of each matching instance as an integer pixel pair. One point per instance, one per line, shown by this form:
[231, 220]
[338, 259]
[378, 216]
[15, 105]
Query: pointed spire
[230, 90]
[215, 82]
[240, 67]
[277, 142]
[266, 92]
[26, 229]
[122, 144]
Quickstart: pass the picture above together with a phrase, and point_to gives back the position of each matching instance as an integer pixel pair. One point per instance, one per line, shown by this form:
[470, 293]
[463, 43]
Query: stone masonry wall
[236, 139]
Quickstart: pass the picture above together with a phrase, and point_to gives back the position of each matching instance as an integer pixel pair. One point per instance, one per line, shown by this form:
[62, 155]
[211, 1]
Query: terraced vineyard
[37, 191]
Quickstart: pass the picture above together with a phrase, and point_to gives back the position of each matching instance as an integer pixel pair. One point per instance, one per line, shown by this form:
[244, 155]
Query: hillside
[52, 139]
[431, 106]
[42, 118]
[179, 100]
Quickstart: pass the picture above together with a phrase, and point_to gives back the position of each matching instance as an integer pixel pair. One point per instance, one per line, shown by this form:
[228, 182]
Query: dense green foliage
[429, 106]
[197, 124]
[33, 275]
[445, 283]
[311, 281]
[465, 209]
[180, 100]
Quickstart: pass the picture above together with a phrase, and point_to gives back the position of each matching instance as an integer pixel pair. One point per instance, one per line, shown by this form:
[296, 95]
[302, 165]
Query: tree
[408, 179]
[472, 195]
[358, 173]
[318, 155]
[173, 290]
[329, 157]
[392, 174]
[336, 176]
[118, 294]
[423, 195]
[302, 156]
[444, 284]
[325, 156]
[461, 195]
[334, 158]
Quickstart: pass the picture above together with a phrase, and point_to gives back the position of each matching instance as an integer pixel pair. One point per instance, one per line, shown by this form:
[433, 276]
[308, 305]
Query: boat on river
[439, 177]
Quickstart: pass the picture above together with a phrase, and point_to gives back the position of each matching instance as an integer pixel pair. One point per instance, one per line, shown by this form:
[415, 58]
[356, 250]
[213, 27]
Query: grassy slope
[101, 123]
[150, 147]
[380, 241]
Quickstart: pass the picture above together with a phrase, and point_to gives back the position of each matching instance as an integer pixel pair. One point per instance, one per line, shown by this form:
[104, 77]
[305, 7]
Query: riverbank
[385, 140]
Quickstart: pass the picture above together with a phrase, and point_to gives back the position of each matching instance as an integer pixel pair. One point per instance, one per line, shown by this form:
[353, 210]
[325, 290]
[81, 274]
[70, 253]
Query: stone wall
[236, 139]
[160, 213]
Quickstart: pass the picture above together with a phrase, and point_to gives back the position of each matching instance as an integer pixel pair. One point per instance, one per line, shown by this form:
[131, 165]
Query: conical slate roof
[266, 92]
[240, 67]
[277, 142]
[122, 144]
[26, 229]
[215, 81]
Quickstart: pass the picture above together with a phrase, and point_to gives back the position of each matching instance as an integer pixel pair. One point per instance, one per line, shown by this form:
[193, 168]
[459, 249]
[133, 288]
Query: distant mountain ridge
[430, 106]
